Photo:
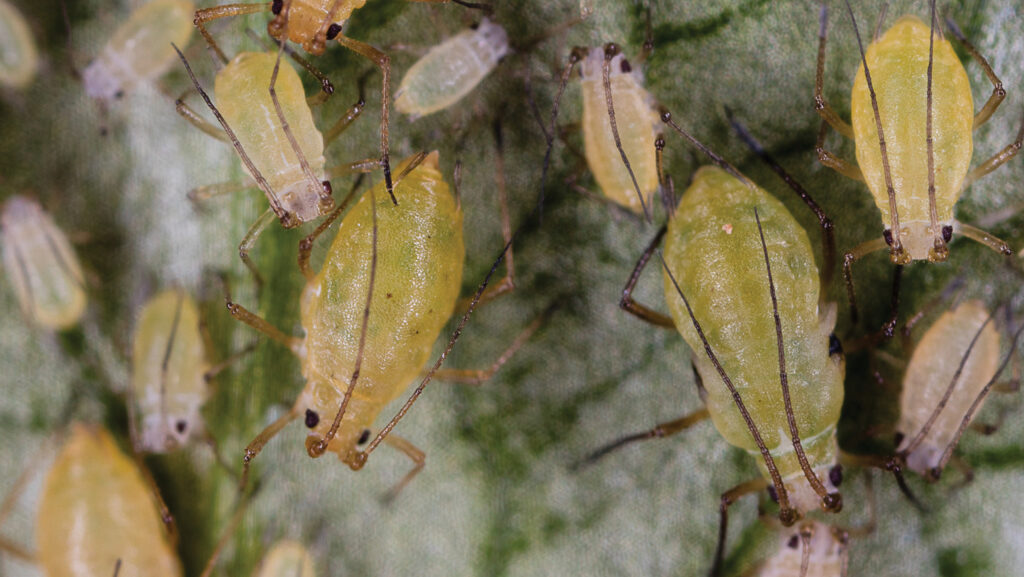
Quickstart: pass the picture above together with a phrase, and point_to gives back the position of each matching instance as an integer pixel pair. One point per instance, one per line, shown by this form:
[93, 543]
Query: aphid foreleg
[825, 110]
[418, 457]
[998, 92]
[659, 431]
[205, 15]
[350, 116]
[643, 312]
[851, 257]
[728, 498]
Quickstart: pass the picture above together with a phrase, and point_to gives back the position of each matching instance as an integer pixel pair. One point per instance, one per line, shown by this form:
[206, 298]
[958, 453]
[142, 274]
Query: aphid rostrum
[286, 558]
[19, 58]
[387, 287]
[41, 265]
[140, 49]
[96, 509]
[451, 69]
[950, 374]
[912, 117]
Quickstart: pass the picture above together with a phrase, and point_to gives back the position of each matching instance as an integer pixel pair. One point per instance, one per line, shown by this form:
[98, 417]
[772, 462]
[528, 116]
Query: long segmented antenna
[769, 461]
[611, 50]
[666, 117]
[284, 216]
[939, 252]
[166, 361]
[830, 501]
[896, 248]
[575, 55]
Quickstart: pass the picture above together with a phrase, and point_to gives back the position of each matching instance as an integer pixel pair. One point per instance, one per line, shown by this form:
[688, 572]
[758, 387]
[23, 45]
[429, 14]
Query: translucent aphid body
[451, 70]
[96, 509]
[19, 58]
[810, 550]
[41, 265]
[930, 372]
[140, 49]
[168, 371]
[244, 101]
[728, 291]
[637, 123]
[286, 558]
[420, 256]
[898, 63]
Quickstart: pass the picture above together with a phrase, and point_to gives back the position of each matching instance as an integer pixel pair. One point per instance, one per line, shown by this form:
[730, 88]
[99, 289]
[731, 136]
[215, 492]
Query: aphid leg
[827, 228]
[258, 323]
[418, 458]
[611, 50]
[201, 194]
[998, 92]
[889, 328]
[966, 473]
[806, 534]
[998, 159]
[980, 236]
[204, 15]
[481, 376]
[728, 498]
[256, 445]
[659, 431]
[216, 369]
[880, 21]
[382, 61]
[255, 230]
[851, 257]
[643, 312]
[229, 530]
[186, 112]
[309, 241]
[350, 116]
[892, 465]
[825, 110]
[7, 506]
[827, 158]
[326, 88]
[952, 292]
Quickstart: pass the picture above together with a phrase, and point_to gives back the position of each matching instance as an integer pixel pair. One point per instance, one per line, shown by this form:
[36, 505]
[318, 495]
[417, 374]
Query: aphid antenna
[881, 21]
[939, 252]
[897, 253]
[575, 55]
[829, 501]
[275, 203]
[117, 567]
[611, 50]
[324, 187]
[326, 88]
[827, 227]
[659, 431]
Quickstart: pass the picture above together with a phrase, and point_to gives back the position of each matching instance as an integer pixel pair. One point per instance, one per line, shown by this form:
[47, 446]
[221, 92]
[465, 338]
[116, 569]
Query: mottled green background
[497, 496]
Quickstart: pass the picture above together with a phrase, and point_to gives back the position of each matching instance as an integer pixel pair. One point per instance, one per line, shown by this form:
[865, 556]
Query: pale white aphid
[811, 550]
[286, 558]
[451, 70]
[41, 265]
[19, 59]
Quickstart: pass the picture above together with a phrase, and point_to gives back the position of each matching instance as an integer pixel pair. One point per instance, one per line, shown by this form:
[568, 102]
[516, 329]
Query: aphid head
[919, 242]
[305, 202]
[100, 82]
[812, 548]
[593, 65]
[166, 433]
[318, 406]
[489, 37]
[303, 20]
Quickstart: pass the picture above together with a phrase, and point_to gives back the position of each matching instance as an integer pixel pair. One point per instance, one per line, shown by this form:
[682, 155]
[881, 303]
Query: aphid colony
[742, 280]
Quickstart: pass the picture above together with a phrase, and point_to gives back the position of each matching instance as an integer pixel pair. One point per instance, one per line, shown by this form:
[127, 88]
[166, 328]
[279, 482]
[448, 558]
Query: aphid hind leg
[851, 257]
[204, 15]
[634, 308]
[728, 498]
[418, 458]
[659, 431]
[998, 92]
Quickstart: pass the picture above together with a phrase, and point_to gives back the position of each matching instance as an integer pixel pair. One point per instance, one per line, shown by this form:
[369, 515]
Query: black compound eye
[181, 427]
[277, 6]
[898, 439]
[312, 419]
[835, 474]
[119, 94]
[887, 235]
[772, 493]
[363, 437]
[835, 346]
[947, 233]
[625, 67]
[793, 542]
[332, 31]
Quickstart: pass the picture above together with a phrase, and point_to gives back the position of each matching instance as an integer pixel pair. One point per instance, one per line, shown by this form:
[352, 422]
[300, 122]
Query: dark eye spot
[312, 419]
[332, 31]
[772, 493]
[277, 6]
[625, 67]
[119, 94]
[835, 474]
[793, 542]
[887, 235]
[898, 439]
[947, 233]
[834, 345]
[474, 26]
[181, 427]
[363, 437]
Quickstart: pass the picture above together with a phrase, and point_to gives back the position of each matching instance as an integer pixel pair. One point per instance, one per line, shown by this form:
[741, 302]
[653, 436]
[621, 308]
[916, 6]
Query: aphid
[619, 124]
[912, 118]
[169, 371]
[41, 265]
[286, 558]
[97, 510]
[811, 550]
[372, 313]
[274, 134]
[140, 49]
[451, 70]
[950, 374]
[724, 242]
[19, 58]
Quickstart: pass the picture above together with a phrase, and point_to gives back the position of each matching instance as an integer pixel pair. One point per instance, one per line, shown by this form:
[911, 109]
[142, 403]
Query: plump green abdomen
[714, 251]
[899, 73]
[420, 256]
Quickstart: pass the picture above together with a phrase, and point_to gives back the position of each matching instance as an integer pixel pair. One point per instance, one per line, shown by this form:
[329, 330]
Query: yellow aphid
[812, 549]
[935, 362]
[286, 559]
[451, 70]
[19, 59]
[140, 49]
[97, 509]
[636, 121]
[168, 371]
[41, 265]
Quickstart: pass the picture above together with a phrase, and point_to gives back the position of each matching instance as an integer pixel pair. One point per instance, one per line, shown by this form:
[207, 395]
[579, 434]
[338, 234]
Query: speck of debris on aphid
[727, 228]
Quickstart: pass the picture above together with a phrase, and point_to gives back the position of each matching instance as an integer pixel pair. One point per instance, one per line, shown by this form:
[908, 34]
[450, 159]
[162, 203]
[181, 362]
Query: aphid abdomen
[420, 254]
[451, 70]
[713, 248]
[635, 119]
[168, 375]
[140, 49]
[95, 509]
[931, 369]
[287, 559]
[41, 265]
[19, 58]
[243, 97]
[898, 63]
